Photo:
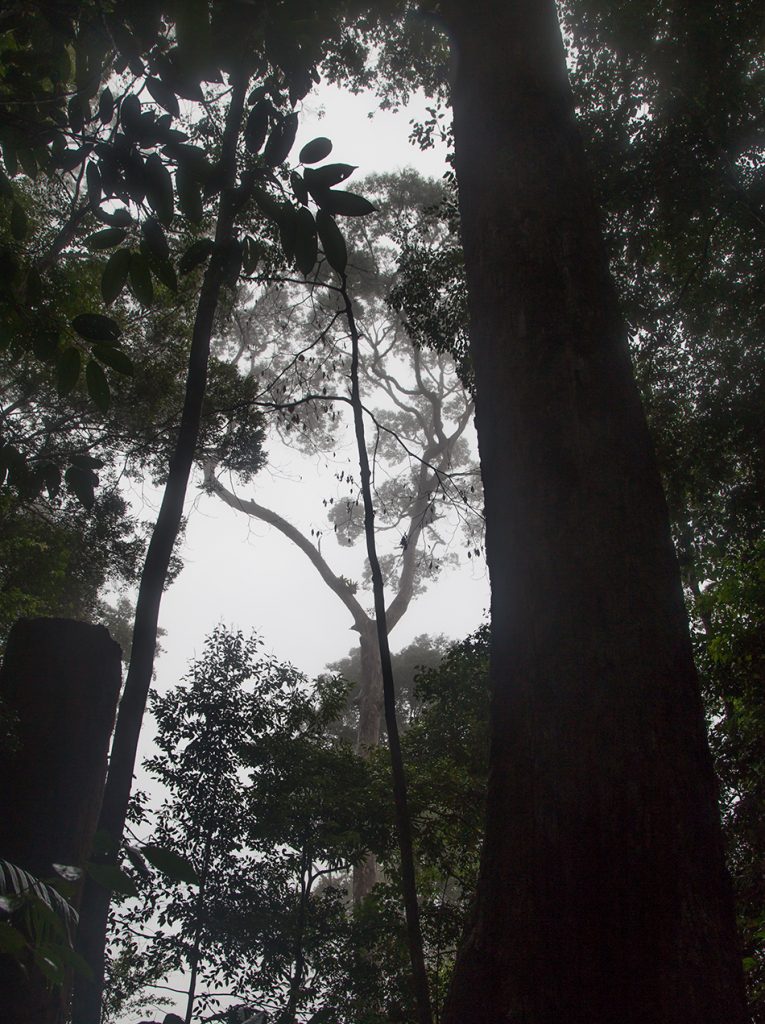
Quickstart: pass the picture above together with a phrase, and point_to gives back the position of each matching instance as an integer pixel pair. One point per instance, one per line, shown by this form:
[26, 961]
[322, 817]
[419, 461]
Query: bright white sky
[243, 573]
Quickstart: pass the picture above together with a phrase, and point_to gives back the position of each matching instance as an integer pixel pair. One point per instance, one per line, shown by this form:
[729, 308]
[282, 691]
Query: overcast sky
[245, 574]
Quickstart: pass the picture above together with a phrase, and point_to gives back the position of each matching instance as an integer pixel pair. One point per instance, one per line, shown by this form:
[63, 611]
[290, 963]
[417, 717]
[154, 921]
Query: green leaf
[130, 115]
[196, 254]
[346, 204]
[288, 230]
[75, 113]
[164, 272]
[114, 358]
[115, 275]
[68, 370]
[19, 222]
[112, 878]
[96, 327]
[93, 181]
[163, 95]
[81, 482]
[280, 141]
[154, 238]
[332, 241]
[159, 188]
[98, 385]
[106, 239]
[306, 244]
[106, 106]
[315, 150]
[256, 126]
[189, 195]
[140, 278]
[171, 864]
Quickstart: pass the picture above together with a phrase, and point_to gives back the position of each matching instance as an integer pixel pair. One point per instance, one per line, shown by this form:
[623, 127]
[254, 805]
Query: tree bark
[403, 820]
[603, 895]
[60, 681]
[93, 921]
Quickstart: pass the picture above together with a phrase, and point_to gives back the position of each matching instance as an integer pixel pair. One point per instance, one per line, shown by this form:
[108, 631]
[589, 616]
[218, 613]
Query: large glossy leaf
[281, 140]
[106, 106]
[140, 278]
[306, 244]
[256, 126]
[154, 238]
[115, 358]
[68, 370]
[171, 864]
[115, 275]
[346, 204]
[320, 178]
[315, 150]
[163, 95]
[96, 327]
[189, 195]
[112, 878]
[106, 239]
[196, 254]
[159, 188]
[93, 181]
[332, 241]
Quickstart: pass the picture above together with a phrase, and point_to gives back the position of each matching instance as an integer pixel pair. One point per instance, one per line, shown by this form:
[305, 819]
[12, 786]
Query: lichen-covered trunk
[368, 737]
[603, 895]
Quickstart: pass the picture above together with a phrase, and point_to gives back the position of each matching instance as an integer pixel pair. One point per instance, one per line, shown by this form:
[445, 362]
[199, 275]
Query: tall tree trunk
[95, 909]
[368, 737]
[60, 680]
[603, 895]
[400, 801]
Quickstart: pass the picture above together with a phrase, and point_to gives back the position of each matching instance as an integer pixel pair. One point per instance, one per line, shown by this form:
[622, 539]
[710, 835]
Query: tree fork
[91, 938]
[603, 894]
[403, 822]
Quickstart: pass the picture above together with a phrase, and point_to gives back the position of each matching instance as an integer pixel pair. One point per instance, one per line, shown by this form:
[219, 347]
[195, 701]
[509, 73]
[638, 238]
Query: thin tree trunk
[403, 823]
[95, 908]
[368, 737]
[602, 895]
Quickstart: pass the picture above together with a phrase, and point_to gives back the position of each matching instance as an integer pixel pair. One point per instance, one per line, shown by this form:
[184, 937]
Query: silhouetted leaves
[196, 254]
[115, 275]
[281, 140]
[163, 95]
[257, 125]
[346, 204]
[106, 239]
[68, 370]
[96, 327]
[315, 151]
[306, 244]
[332, 241]
[140, 278]
[159, 188]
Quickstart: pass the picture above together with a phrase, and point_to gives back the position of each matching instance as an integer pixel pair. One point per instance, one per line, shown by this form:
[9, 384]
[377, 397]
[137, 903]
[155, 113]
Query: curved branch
[266, 515]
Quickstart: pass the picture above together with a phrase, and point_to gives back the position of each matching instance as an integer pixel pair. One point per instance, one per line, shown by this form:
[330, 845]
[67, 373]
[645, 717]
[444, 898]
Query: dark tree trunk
[60, 681]
[370, 721]
[93, 923]
[603, 895]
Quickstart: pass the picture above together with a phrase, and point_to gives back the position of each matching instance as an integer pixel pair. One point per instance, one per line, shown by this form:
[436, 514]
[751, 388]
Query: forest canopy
[185, 291]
